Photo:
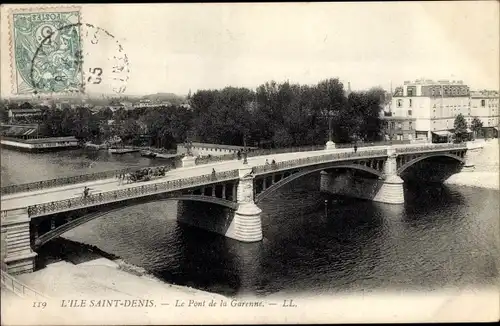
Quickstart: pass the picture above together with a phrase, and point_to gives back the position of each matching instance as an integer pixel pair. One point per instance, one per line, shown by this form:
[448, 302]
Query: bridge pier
[391, 189]
[17, 255]
[388, 189]
[246, 225]
[326, 181]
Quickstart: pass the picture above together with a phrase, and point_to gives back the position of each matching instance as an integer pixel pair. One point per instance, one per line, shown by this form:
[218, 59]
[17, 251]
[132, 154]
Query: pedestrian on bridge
[86, 192]
[238, 155]
[355, 148]
[213, 174]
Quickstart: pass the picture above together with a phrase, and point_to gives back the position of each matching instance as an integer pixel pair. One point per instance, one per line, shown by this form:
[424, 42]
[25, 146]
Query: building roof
[33, 110]
[207, 145]
[396, 118]
[51, 140]
[483, 93]
[18, 130]
[423, 81]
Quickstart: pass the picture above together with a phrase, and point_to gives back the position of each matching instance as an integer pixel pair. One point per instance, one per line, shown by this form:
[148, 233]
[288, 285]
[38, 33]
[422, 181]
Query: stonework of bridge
[31, 219]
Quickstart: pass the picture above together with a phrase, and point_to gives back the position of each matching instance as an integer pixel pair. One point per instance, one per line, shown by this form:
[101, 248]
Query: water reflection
[20, 167]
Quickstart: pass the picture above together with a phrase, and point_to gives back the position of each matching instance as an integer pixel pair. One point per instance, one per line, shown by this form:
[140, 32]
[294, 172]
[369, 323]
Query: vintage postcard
[241, 163]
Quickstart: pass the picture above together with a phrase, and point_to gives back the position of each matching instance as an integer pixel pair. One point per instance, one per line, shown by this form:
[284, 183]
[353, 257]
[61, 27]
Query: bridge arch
[426, 156]
[291, 177]
[52, 234]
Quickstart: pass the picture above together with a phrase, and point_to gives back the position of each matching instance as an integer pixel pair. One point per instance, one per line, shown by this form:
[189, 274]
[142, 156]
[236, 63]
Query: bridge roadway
[20, 200]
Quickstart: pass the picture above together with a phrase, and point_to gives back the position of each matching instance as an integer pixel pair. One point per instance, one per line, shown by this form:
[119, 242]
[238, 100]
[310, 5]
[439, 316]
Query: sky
[180, 47]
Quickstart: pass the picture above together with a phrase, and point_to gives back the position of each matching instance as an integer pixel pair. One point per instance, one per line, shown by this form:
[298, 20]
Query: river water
[444, 236]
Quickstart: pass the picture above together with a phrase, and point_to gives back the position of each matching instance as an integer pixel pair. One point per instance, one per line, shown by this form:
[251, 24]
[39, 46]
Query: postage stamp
[53, 51]
[44, 57]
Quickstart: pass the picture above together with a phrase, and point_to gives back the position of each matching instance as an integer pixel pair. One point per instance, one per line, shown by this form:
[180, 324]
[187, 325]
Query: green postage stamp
[45, 48]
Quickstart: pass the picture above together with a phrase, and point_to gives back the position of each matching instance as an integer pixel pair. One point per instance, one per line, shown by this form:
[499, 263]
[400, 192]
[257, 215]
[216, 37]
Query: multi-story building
[398, 128]
[484, 106]
[433, 104]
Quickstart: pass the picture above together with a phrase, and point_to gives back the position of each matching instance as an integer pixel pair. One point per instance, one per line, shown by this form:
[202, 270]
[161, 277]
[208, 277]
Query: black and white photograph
[249, 163]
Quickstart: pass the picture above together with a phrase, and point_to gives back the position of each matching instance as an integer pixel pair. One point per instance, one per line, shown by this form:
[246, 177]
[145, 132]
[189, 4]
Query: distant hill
[169, 97]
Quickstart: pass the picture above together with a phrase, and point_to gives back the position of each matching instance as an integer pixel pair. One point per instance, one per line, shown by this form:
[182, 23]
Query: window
[410, 103]
[483, 103]
[393, 125]
[409, 112]
[410, 125]
[400, 125]
[400, 103]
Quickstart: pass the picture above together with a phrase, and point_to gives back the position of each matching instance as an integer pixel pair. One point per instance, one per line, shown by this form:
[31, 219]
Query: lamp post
[188, 145]
[189, 159]
[245, 151]
[330, 114]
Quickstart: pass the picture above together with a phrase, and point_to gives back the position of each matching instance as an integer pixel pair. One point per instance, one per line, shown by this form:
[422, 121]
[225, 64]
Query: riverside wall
[486, 169]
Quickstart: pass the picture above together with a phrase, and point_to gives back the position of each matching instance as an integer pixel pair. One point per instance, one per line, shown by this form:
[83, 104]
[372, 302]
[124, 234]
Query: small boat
[148, 154]
[122, 150]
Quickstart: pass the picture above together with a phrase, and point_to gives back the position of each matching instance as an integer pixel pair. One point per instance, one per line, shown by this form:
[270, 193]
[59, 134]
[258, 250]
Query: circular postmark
[78, 58]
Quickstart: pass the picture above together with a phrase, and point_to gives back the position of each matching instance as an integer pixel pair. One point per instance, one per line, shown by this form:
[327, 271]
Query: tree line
[284, 115]
[273, 115]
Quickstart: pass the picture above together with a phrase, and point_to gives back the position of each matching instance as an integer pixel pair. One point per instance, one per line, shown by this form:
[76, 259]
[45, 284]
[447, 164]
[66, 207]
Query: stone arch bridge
[30, 219]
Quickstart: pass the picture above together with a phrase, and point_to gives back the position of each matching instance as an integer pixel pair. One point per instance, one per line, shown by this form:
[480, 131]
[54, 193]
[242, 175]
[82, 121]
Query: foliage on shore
[273, 115]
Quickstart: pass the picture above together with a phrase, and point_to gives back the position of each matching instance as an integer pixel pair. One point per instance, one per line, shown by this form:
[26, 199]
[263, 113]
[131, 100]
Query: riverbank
[92, 279]
[98, 292]
[68, 267]
[488, 180]
[486, 169]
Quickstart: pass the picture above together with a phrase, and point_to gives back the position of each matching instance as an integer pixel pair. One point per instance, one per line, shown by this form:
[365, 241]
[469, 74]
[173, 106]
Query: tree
[476, 126]
[460, 128]
[105, 114]
[26, 106]
[128, 130]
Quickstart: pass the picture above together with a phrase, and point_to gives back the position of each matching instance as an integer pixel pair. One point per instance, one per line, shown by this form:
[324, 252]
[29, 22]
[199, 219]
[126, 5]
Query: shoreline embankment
[67, 267]
[486, 169]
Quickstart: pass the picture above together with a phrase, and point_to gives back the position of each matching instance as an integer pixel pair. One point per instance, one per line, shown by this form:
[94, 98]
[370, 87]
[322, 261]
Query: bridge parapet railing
[429, 148]
[19, 288]
[130, 192]
[258, 152]
[216, 158]
[262, 152]
[44, 184]
[372, 144]
[318, 160]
